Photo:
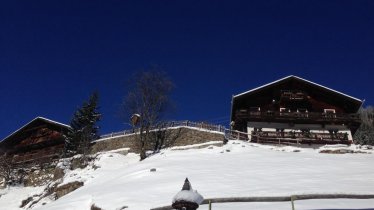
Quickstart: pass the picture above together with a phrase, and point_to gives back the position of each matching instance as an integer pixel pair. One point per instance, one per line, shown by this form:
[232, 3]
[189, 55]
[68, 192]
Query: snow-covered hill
[236, 169]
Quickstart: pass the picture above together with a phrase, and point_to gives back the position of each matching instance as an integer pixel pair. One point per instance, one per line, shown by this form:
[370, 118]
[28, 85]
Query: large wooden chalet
[296, 110]
[40, 140]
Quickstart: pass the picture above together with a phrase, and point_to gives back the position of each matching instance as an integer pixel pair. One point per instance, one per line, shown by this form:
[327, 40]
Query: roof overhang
[357, 102]
[42, 119]
[299, 78]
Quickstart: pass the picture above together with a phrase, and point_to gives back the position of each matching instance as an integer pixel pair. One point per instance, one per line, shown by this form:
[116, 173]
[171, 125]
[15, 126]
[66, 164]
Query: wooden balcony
[37, 156]
[300, 137]
[297, 117]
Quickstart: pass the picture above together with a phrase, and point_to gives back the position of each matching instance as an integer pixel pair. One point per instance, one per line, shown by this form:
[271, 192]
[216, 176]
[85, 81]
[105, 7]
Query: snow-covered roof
[35, 119]
[296, 77]
[52, 121]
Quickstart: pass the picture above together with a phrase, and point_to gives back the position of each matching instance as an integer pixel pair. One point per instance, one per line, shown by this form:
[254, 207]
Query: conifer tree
[84, 127]
[365, 133]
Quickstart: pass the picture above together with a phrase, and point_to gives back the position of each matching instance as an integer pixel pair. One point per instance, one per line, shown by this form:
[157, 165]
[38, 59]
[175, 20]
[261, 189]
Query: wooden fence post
[210, 205]
[292, 202]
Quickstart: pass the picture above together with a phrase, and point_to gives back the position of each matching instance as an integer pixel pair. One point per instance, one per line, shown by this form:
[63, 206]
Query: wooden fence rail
[236, 135]
[229, 134]
[291, 199]
[259, 137]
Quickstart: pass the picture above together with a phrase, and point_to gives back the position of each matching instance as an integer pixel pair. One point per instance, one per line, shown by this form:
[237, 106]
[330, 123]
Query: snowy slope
[236, 169]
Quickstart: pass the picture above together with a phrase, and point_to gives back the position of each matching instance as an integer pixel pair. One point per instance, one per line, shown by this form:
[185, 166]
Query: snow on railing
[229, 134]
[173, 124]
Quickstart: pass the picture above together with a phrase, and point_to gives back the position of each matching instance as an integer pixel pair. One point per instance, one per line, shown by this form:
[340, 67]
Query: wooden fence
[171, 124]
[259, 137]
[236, 135]
[229, 134]
[291, 199]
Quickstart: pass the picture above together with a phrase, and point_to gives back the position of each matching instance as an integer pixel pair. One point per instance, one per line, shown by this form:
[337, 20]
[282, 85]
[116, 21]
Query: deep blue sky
[53, 54]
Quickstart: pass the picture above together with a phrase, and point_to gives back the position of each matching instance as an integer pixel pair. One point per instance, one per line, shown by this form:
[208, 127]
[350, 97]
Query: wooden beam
[279, 199]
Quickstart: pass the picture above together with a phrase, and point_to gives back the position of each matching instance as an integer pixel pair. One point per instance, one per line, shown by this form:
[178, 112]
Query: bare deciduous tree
[164, 136]
[6, 169]
[148, 96]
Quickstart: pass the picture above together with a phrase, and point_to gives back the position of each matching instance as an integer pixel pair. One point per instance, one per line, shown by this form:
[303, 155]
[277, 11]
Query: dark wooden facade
[296, 110]
[40, 140]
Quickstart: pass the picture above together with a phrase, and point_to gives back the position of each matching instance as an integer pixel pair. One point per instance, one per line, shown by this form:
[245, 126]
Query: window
[302, 112]
[284, 111]
[286, 93]
[298, 96]
[255, 111]
[329, 113]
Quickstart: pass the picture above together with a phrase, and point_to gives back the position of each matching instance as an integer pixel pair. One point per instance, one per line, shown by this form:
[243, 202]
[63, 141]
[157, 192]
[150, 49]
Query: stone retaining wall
[177, 137]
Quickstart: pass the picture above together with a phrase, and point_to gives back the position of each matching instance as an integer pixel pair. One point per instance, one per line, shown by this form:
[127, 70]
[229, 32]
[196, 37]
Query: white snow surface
[236, 169]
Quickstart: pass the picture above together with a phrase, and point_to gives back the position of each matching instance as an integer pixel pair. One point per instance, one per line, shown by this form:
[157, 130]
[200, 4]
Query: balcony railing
[38, 155]
[300, 137]
[314, 116]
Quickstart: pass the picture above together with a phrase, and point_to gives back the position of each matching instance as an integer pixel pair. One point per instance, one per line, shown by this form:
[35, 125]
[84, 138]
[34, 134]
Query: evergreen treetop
[84, 127]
